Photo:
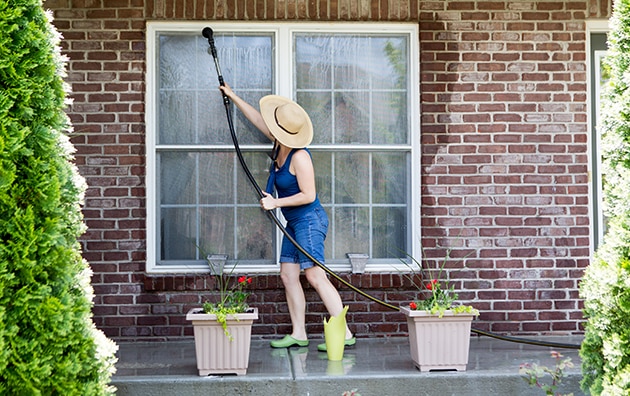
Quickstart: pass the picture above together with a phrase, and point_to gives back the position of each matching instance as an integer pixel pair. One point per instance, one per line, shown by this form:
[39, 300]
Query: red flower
[249, 280]
[430, 284]
[413, 305]
[242, 279]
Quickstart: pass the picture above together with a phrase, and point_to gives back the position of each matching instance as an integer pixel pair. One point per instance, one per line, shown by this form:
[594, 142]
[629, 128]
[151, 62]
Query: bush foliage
[48, 343]
[605, 351]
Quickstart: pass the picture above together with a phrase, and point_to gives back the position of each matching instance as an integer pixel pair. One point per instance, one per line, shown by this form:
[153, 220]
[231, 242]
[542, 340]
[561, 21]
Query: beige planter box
[438, 343]
[216, 354]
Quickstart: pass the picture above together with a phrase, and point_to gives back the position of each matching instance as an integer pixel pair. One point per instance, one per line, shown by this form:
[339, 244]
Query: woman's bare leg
[290, 275]
[327, 292]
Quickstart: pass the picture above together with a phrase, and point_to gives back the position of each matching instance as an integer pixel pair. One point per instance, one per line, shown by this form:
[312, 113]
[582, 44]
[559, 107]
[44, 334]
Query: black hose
[207, 33]
[521, 340]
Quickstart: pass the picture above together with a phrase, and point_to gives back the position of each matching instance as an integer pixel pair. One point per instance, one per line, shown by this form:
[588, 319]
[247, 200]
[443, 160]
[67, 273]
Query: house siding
[504, 134]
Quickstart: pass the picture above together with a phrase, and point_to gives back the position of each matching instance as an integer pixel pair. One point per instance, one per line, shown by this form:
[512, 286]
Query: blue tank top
[287, 185]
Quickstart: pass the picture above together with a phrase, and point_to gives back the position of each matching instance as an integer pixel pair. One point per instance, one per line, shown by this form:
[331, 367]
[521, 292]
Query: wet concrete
[377, 366]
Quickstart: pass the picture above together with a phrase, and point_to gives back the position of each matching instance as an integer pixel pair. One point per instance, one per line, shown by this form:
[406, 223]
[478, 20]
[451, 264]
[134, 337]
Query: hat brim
[300, 139]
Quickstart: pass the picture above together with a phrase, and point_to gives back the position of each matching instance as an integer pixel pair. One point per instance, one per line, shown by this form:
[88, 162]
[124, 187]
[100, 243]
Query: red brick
[504, 149]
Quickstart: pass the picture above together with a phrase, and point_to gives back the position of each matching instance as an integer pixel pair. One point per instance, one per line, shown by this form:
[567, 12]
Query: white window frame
[595, 178]
[283, 86]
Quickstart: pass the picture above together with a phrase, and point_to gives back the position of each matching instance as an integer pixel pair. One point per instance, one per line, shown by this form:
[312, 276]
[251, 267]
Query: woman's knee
[316, 277]
[289, 273]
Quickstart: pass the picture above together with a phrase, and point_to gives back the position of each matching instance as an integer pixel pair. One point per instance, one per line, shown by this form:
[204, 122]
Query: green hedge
[605, 288]
[48, 343]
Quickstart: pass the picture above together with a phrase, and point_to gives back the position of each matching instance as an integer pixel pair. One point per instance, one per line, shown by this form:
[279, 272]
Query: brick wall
[504, 159]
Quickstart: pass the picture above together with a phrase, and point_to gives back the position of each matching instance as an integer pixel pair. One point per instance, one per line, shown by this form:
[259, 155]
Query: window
[358, 82]
[599, 76]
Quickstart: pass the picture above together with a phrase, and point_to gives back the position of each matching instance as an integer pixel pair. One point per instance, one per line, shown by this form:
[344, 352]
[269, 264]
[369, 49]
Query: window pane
[390, 179]
[352, 117]
[200, 191]
[390, 118]
[319, 108]
[178, 234]
[212, 119]
[355, 88]
[390, 70]
[351, 62]
[352, 187]
[255, 237]
[177, 117]
[313, 59]
[216, 231]
[177, 178]
[246, 59]
[213, 207]
[258, 164]
[389, 232]
[352, 231]
[216, 179]
[178, 65]
[322, 162]
[177, 61]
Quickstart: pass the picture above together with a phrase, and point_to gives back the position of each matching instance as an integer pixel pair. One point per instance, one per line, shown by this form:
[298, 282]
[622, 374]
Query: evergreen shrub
[48, 342]
[605, 287]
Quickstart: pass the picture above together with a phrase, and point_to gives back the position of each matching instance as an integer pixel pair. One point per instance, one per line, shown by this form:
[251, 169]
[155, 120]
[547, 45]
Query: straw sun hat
[288, 121]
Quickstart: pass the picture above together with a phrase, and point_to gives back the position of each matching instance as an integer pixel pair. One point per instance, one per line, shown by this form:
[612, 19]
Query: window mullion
[370, 207]
[333, 207]
[235, 206]
[333, 116]
[284, 57]
[197, 206]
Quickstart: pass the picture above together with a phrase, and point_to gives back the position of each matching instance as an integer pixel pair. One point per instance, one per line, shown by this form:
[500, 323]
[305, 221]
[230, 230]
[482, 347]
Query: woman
[286, 124]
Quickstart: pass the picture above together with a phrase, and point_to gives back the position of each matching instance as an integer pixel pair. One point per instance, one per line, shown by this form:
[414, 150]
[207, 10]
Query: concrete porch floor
[375, 367]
